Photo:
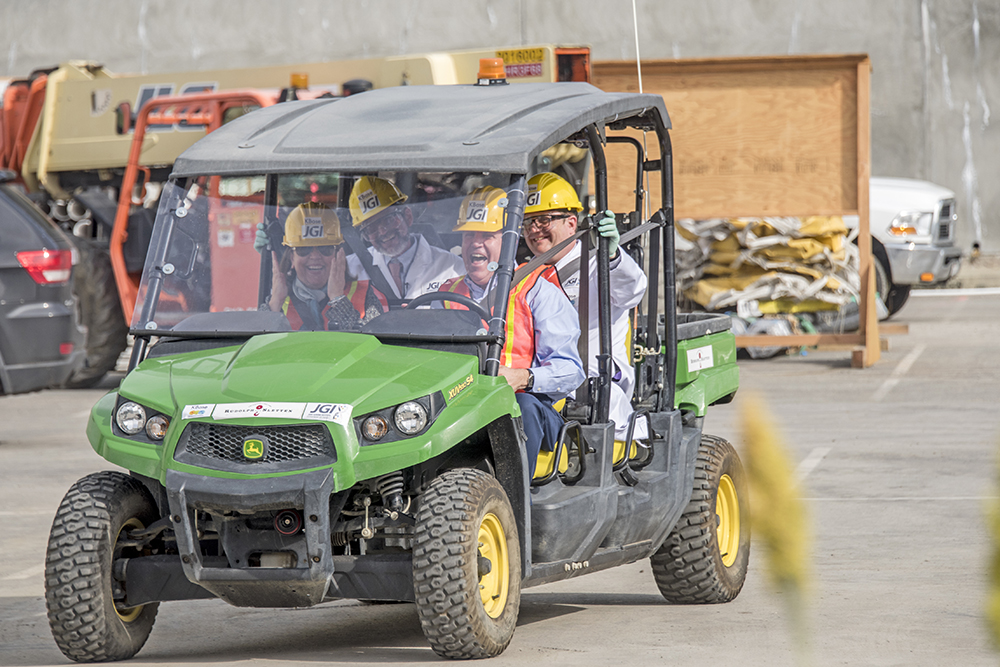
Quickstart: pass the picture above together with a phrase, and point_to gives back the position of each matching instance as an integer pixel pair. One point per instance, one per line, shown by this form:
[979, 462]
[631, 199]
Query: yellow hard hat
[370, 196]
[550, 192]
[312, 224]
[480, 211]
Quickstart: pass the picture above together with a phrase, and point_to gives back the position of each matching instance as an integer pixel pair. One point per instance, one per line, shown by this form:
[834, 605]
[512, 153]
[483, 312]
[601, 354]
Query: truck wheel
[704, 559]
[100, 311]
[87, 622]
[466, 565]
[893, 296]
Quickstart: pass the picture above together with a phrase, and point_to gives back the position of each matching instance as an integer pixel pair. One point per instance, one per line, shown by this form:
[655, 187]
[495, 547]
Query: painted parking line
[809, 463]
[906, 499]
[977, 291]
[898, 372]
[50, 512]
[25, 574]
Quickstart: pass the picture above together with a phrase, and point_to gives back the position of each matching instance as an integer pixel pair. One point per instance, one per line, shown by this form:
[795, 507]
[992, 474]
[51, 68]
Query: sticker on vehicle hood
[262, 409]
[339, 413]
[193, 411]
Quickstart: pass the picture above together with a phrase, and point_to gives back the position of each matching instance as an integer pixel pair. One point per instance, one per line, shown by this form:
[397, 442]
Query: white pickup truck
[913, 225]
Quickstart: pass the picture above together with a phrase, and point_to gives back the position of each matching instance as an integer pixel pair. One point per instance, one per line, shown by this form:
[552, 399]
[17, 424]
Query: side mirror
[123, 118]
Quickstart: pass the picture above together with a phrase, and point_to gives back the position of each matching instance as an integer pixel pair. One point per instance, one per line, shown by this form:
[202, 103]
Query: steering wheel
[477, 308]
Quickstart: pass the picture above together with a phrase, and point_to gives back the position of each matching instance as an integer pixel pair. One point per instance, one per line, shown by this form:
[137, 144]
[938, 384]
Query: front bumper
[230, 501]
[318, 574]
[908, 262]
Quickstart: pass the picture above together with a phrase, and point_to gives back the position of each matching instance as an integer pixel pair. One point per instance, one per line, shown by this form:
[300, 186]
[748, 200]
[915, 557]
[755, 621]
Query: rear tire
[466, 565]
[80, 590]
[704, 559]
[100, 311]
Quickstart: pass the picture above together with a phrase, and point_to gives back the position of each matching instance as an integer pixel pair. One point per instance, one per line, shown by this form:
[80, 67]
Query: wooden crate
[764, 136]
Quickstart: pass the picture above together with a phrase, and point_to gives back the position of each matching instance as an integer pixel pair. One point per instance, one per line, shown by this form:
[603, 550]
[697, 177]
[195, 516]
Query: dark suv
[41, 343]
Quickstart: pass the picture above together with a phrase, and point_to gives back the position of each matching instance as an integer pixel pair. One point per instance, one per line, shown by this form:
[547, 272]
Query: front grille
[220, 447]
[946, 220]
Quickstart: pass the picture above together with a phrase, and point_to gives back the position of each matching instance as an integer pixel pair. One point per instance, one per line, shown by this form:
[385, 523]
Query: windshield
[324, 252]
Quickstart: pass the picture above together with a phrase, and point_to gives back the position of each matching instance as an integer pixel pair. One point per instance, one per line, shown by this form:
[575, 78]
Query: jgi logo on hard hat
[368, 201]
[312, 228]
[476, 212]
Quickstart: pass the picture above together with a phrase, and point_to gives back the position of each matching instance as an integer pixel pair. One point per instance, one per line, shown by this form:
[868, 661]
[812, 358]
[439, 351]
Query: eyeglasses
[325, 250]
[382, 226]
[543, 222]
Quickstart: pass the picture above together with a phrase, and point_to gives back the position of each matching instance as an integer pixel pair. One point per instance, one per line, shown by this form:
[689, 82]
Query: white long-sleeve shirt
[627, 287]
[425, 268]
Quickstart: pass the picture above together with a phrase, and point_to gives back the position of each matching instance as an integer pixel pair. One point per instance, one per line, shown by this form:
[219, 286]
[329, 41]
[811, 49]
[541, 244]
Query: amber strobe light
[491, 71]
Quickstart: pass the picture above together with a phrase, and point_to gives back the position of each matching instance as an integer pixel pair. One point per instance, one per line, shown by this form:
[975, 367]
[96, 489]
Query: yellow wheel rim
[494, 585]
[727, 518]
[127, 615]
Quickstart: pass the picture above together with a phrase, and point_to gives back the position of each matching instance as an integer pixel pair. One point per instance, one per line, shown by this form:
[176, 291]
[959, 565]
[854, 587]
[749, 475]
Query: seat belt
[375, 276]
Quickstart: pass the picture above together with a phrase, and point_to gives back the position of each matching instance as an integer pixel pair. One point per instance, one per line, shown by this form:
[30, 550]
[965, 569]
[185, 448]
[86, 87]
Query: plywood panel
[754, 137]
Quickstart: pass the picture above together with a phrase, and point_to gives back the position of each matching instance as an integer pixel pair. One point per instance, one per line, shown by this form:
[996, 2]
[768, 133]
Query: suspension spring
[390, 487]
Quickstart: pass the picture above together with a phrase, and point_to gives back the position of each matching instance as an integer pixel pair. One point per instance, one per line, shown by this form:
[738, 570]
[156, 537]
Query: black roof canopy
[412, 128]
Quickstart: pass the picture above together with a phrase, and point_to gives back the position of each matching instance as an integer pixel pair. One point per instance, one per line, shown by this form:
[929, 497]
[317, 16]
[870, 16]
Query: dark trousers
[541, 425]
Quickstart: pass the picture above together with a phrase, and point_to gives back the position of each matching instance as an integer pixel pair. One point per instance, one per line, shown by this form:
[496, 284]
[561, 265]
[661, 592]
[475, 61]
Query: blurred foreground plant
[993, 601]
[778, 515]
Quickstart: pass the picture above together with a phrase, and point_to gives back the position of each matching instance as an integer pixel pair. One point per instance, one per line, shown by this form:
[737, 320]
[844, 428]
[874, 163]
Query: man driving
[410, 264]
[539, 358]
[551, 215]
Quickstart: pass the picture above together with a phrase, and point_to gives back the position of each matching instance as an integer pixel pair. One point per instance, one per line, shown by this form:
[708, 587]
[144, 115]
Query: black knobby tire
[448, 555]
[100, 311]
[85, 622]
[689, 567]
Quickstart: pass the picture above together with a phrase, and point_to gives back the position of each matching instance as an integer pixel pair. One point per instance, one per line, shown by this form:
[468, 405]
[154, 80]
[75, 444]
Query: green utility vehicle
[273, 467]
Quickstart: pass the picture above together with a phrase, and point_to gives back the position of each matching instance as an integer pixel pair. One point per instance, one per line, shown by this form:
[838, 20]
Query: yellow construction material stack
[767, 265]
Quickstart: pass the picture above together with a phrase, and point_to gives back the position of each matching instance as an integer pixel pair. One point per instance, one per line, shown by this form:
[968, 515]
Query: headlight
[156, 427]
[375, 427]
[411, 418]
[911, 223]
[130, 417]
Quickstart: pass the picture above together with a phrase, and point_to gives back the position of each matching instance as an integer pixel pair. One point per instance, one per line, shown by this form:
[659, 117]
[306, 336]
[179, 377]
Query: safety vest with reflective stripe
[519, 344]
[356, 292]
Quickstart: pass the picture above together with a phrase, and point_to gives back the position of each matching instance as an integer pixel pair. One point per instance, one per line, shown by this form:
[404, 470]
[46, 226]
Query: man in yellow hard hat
[310, 283]
[411, 265]
[539, 358]
[551, 215]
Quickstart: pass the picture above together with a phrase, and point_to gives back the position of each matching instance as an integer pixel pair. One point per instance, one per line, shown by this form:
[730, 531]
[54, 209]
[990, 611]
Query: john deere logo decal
[253, 449]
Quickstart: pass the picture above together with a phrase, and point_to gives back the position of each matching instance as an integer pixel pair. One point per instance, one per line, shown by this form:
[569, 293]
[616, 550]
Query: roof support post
[513, 214]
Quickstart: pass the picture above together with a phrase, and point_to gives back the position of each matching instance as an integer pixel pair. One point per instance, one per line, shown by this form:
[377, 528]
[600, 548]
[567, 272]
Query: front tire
[893, 296]
[704, 559]
[466, 565]
[87, 616]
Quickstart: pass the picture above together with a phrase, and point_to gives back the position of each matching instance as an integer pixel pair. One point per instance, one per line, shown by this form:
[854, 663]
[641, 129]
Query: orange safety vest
[356, 292]
[519, 344]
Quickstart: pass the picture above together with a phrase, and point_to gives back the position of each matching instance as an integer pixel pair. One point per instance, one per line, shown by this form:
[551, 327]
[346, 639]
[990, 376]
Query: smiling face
[542, 231]
[389, 232]
[478, 250]
[313, 269]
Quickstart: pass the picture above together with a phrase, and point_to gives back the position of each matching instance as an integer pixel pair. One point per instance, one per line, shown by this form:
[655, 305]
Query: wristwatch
[531, 381]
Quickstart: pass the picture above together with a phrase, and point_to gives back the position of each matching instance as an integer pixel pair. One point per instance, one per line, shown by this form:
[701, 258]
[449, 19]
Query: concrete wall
[935, 76]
